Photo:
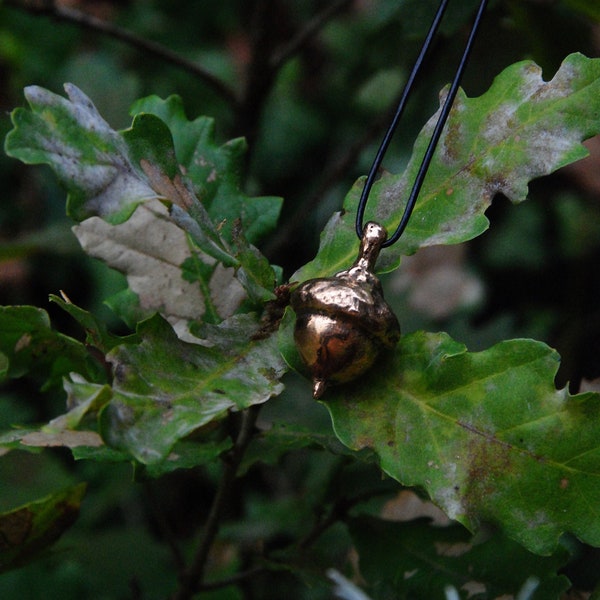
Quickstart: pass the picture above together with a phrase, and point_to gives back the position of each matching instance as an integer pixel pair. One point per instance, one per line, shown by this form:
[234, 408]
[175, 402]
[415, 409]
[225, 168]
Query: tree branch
[338, 511]
[191, 579]
[309, 30]
[330, 176]
[260, 76]
[86, 21]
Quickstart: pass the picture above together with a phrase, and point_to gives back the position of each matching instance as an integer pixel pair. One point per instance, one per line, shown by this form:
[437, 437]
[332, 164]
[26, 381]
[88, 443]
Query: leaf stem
[191, 578]
[87, 21]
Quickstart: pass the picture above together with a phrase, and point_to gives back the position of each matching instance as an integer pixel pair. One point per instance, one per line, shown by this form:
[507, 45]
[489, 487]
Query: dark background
[313, 122]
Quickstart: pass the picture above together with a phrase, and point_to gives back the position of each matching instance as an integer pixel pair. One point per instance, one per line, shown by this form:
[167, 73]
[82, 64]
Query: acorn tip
[319, 386]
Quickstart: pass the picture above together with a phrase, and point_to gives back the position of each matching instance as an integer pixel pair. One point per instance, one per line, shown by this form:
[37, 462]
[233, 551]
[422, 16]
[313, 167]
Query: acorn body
[343, 322]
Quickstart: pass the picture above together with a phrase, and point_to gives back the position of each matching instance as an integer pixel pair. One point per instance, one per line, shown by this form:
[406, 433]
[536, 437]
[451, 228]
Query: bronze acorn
[343, 322]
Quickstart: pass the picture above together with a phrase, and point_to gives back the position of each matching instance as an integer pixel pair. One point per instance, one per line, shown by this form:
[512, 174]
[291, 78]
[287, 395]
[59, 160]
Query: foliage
[185, 380]
[29, 529]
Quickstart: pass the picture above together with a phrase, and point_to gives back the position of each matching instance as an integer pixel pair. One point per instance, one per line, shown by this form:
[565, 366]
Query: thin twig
[264, 32]
[307, 32]
[86, 21]
[191, 579]
[338, 512]
[332, 174]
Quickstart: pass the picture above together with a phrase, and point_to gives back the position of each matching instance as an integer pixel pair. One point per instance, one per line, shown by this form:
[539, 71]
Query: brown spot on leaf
[174, 189]
[451, 148]
[489, 458]
[68, 515]
[364, 441]
[15, 528]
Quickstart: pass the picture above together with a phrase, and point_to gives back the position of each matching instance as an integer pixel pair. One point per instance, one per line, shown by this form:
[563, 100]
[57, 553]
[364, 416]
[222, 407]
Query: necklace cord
[437, 132]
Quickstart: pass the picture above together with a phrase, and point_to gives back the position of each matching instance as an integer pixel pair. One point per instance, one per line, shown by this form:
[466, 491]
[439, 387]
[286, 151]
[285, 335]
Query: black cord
[445, 111]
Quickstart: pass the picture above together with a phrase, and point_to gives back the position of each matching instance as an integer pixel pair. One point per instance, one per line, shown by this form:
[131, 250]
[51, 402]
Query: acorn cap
[342, 295]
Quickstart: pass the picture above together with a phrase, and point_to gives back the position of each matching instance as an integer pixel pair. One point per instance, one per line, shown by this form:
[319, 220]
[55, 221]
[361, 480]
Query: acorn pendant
[343, 322]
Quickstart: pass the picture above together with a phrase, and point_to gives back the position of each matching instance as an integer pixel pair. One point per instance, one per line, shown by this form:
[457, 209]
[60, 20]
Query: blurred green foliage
[313, 126]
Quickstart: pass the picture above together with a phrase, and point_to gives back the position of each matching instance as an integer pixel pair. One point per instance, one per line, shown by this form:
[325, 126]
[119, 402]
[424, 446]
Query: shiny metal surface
[343, 322]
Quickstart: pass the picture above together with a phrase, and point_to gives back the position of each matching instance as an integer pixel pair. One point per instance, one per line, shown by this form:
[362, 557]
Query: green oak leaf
[97, 335]
[84, 399]
[165, 388]
[255, 273]
[126, 305]
[30, 345]
[486, 434]
[153, 252]
[89, 158]
[523, 127]
[269, 445]
[186, 454]
[418, 561]
[30, 529]
[137, 209]
[215, 171]
[11, 440]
